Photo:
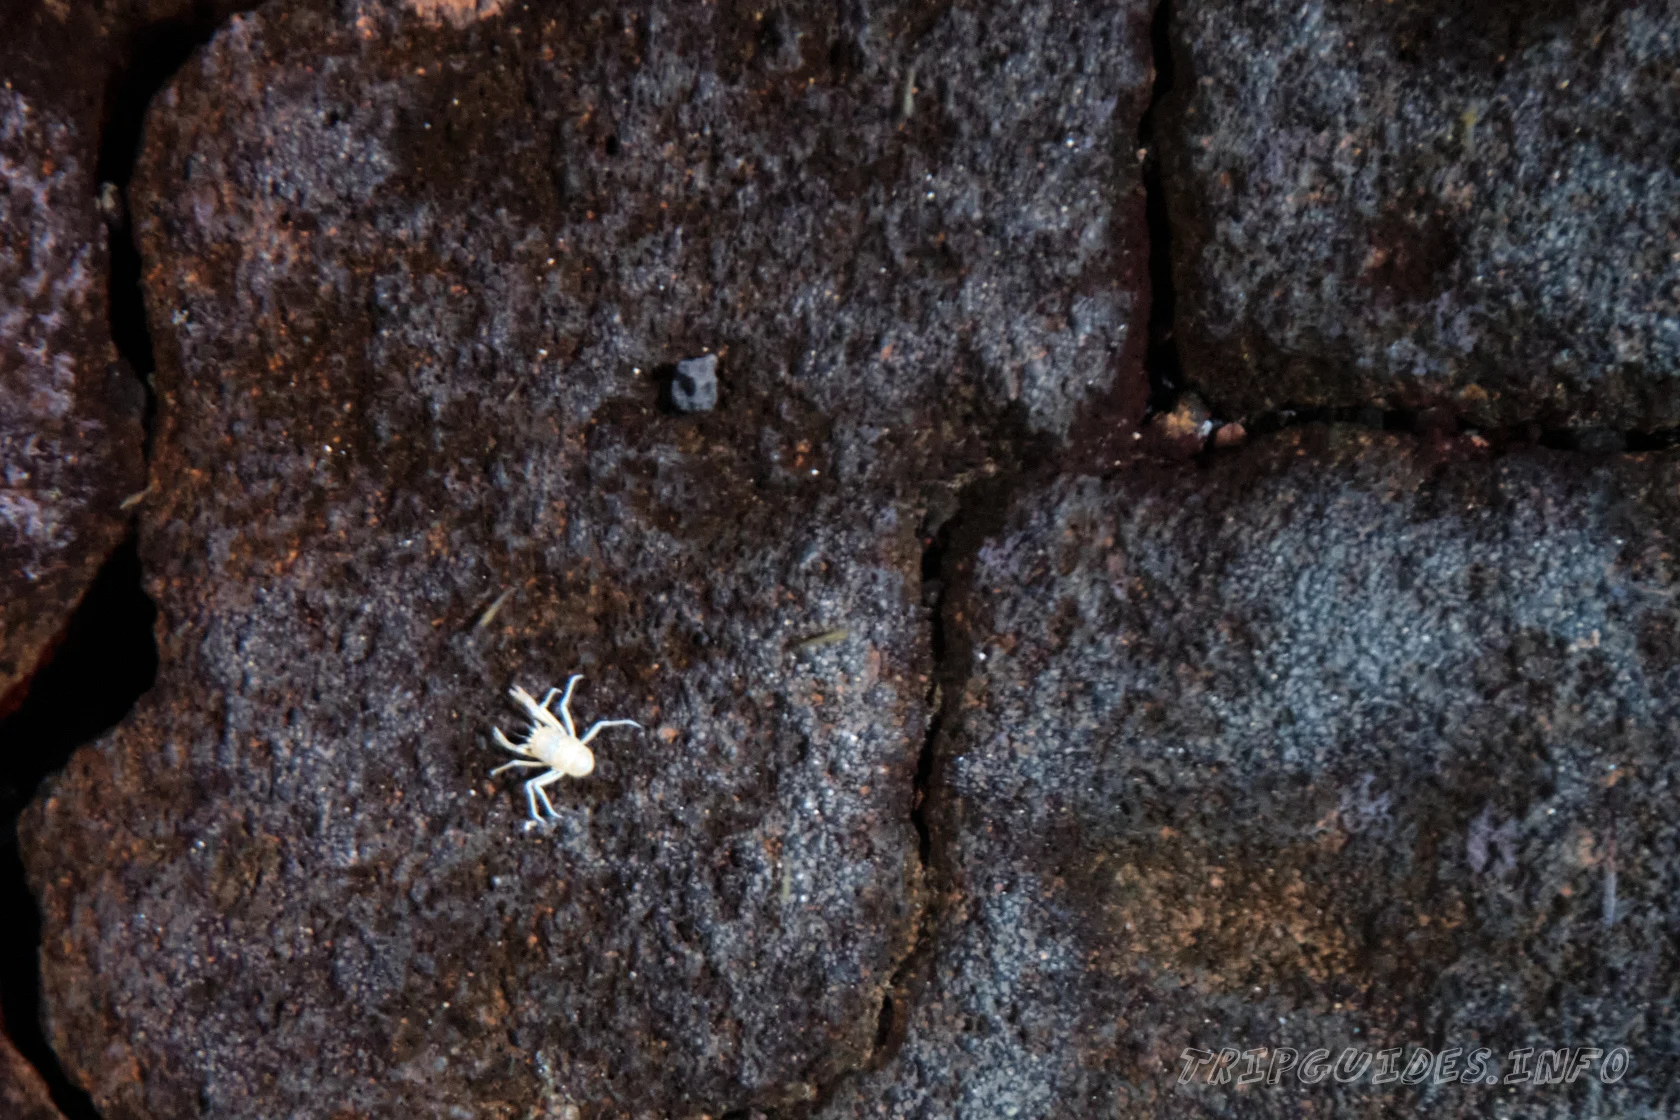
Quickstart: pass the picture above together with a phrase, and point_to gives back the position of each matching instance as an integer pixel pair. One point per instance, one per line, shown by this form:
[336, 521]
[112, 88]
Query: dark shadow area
[153, 55]
[105, 661]
[1161, 360]
[934, 575]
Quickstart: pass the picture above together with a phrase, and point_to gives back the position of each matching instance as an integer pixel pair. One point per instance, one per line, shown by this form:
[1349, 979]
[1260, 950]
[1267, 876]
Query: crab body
[552, 745]
[556, 748]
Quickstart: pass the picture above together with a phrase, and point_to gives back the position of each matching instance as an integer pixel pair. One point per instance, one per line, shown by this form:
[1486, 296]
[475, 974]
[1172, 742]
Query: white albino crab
[552, 745]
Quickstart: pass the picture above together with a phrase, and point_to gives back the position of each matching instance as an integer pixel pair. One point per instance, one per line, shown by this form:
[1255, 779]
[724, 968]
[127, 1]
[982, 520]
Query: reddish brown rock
[414, 278]
[23, 1095]
[69, 410]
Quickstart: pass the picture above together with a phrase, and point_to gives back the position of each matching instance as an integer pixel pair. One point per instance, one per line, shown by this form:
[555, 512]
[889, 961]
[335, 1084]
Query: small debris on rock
[494, 609]
[1183, 431]
[907, 100]
[1230, 435]
[137, 497]
[111, 206]
[694, 388]
[1189, 418]
[826, 638]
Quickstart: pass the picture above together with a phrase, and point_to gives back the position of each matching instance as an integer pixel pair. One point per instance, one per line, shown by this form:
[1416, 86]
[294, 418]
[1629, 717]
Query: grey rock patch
[694, 386]
[1418, 204]
[1339, 741]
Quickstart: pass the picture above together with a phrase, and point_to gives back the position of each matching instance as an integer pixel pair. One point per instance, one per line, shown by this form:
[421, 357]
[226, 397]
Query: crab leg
[566, 703]
[535, 786]
[503, 742]
[539, 714]
[606, 723]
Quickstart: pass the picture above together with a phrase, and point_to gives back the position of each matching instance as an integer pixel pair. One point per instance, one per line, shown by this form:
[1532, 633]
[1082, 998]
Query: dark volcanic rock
[1336, 743]
[899, 233]
[408, 284]
[23, 1095]
[69, 412]
[1423, 203]
[316, 893]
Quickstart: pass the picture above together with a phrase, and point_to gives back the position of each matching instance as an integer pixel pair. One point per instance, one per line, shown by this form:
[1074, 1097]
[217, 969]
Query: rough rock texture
[314, 892]
[69, 412]
[612, 190]
[23, 1096]
[1420, 203]
[1334, 740]
[1341, 742]
[410, 274]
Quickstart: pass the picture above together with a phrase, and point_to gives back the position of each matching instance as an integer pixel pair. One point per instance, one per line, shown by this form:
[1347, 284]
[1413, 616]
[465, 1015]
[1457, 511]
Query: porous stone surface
[409, 276]
[23, 1095]
[410, 270]
[902, 231]
[1341, 742]
[317, 894]
[69, 412]
[404, 461]
[1412, 204]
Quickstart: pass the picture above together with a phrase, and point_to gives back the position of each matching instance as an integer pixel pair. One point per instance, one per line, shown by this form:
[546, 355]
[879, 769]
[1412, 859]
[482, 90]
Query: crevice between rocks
[152, 53]
[895, 1003]
[1444, 423]
[893, 1020]
[980, 508]
[950, 543]
[1161, 359]
[106, 660]
[107, 657]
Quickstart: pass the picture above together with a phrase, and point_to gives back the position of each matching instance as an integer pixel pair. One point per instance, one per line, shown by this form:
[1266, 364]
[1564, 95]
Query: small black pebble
[694, 388]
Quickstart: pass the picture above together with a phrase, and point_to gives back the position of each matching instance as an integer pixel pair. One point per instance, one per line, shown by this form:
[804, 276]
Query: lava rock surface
[911, 237]
[70, 438]
[1341, 742]
[1415, 204]
[409, 272]
[23, 1095]
[970, 784]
